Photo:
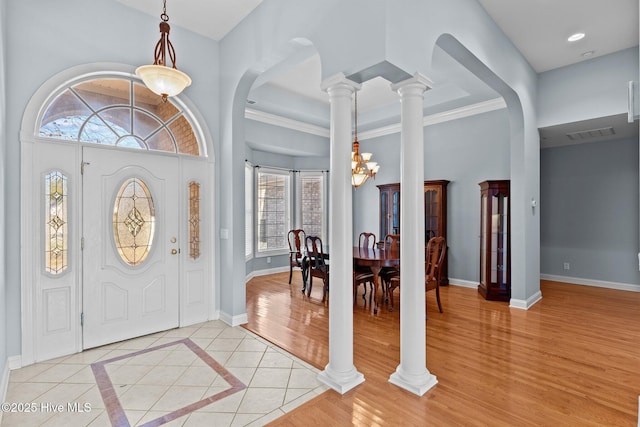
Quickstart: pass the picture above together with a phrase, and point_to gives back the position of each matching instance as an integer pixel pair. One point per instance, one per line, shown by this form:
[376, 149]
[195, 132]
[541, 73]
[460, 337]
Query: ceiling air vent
[592, 133]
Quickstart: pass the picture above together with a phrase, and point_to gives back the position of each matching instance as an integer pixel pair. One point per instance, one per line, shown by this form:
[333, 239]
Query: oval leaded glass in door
[133, 221]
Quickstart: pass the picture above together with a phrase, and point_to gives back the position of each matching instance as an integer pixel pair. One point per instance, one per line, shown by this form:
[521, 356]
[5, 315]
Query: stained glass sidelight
[194, 220]
[56, 228]
[133, 221]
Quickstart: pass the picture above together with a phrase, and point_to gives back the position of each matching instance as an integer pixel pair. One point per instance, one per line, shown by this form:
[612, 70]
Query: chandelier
[159, 78]
[361, 166]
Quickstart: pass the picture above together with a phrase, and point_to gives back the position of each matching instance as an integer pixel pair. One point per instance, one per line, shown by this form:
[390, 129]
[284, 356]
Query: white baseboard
[4, 384]
[236, 320]
[13, 362]
[463, 283]
[515, 303]
[589, 282]
[268, 271]
[525, 304]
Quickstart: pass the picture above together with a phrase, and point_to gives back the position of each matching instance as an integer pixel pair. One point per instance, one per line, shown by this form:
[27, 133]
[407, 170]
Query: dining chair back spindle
[318, 266]
[391, 243]
[434, 257]
[362, 274]
[296, 240]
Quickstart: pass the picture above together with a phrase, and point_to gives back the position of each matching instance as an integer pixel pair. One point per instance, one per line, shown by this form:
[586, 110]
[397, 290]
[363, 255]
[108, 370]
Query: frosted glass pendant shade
[163, 80]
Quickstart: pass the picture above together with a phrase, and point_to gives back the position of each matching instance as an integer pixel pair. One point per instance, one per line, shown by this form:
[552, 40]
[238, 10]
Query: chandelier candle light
[159, 78]
[361, 166]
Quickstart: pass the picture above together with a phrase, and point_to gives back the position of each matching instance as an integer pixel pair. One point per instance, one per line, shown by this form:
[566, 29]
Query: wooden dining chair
[362, 274]
[318, 266]
[434, 257]
[296, 239]
[391, 242]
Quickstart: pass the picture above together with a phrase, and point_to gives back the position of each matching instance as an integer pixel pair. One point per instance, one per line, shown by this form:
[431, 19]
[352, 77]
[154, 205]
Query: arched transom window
[119, 112]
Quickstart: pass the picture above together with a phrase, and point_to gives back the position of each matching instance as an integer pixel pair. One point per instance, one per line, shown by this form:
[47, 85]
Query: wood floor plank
[572, 359]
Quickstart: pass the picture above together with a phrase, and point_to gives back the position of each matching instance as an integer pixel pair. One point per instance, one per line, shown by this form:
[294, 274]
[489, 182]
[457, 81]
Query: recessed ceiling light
[588, 53]
[575, 37]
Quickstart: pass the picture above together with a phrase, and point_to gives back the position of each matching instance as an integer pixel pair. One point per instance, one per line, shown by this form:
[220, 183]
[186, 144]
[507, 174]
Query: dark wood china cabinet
[495, 247]
[435, 213]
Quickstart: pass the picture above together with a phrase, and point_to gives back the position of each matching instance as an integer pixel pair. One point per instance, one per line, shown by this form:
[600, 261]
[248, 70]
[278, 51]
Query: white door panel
[56, 318]
[121, 298]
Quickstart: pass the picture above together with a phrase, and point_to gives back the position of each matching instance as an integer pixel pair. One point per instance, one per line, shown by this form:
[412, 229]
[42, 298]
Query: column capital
[418, 81]
[339, 81]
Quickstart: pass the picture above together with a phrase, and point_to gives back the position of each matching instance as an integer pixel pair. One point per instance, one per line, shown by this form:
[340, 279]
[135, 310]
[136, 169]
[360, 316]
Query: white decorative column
[412, 373]
[340, 374]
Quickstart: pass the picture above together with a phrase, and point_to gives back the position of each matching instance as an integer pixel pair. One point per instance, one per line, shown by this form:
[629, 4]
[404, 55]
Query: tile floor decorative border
[112, 403]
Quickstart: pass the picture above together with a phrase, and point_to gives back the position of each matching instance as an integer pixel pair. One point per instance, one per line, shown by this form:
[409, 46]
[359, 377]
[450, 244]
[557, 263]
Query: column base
[339, 381]
[416, 384]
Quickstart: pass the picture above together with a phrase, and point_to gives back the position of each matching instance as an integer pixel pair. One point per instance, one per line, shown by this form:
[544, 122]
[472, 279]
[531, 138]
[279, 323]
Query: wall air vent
[584, 135]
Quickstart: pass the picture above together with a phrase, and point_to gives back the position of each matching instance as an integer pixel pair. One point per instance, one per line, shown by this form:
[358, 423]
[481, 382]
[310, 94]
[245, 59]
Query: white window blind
[312, 204]
[273, 201]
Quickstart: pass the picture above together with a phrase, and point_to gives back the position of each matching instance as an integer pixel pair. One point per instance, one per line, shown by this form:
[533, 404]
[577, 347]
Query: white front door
[131, 237]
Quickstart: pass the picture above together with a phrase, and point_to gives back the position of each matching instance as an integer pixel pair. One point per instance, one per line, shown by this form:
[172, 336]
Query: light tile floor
[208, 374]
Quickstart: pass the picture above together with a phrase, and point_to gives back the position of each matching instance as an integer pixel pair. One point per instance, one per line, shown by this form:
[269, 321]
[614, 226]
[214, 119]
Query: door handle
[174, 251]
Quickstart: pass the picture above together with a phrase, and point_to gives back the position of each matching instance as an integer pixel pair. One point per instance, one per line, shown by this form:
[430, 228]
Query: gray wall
[589, 211]
[587, 90]
[3, 157]
[465, 152]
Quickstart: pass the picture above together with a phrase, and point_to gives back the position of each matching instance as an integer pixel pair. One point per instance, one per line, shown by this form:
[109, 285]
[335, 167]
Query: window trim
[325, 206]
[288, 191]
[52, 88]
[249, 187]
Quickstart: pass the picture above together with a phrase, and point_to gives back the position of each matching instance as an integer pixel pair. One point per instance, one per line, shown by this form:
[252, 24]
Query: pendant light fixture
[361, 166]
[159, 78]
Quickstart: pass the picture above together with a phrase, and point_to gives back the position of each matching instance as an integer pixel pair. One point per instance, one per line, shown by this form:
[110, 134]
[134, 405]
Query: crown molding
[273, 119]
[466, 111]
[445, 116]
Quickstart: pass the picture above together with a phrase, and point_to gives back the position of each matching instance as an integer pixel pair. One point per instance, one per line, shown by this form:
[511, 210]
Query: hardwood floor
[573, 359]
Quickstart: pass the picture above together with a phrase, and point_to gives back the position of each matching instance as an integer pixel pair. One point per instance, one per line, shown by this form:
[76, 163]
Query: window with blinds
[312, 204]
[273, 201]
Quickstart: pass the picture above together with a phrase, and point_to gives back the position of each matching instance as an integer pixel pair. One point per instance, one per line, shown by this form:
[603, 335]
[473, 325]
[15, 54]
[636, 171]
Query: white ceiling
[538, 28]
[210, 18]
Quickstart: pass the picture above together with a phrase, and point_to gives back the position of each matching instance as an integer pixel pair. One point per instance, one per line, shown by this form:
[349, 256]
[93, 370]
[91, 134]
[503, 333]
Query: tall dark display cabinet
[435, 213]
[495, 246]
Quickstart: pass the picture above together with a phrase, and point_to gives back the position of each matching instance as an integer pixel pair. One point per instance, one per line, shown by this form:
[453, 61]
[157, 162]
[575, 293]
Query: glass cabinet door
[389, 209]
[384, 213]
[495, 281]
[431, 213]
[395, 215]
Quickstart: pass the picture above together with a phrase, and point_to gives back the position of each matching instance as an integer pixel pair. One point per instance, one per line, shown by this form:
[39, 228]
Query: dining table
[376, 259]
